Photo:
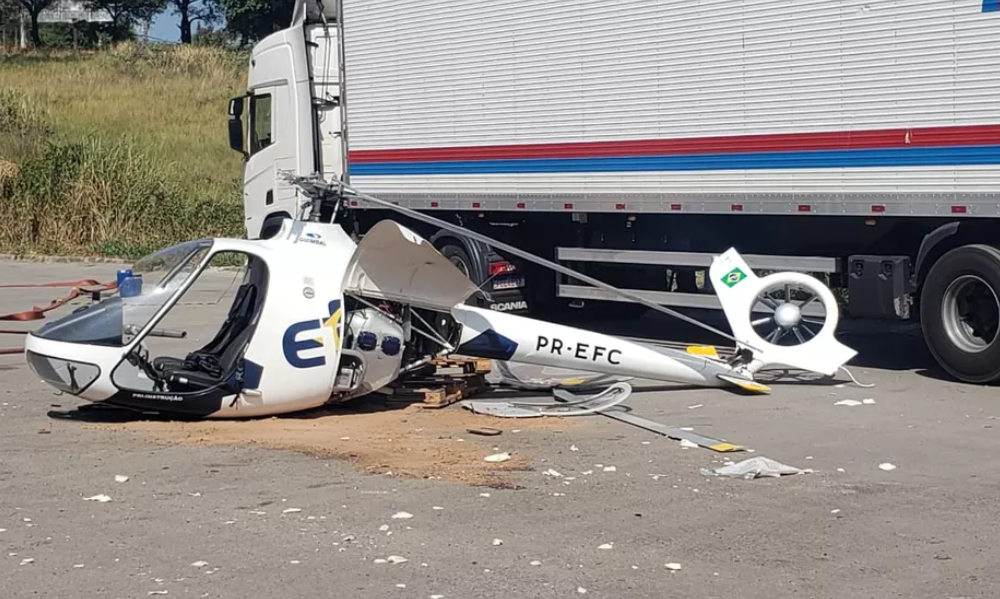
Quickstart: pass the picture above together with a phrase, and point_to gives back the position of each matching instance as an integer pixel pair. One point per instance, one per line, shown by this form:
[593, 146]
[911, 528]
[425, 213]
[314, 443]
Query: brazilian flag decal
[733, 277]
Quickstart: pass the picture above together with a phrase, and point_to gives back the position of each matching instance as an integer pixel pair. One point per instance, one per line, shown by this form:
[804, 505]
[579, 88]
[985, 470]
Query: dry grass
[117, 152]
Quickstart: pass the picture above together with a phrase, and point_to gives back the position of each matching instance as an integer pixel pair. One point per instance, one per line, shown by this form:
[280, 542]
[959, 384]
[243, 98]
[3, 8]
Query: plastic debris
[696, 406]
[158, 593]
[868, 401]
[848, 402]
[886, 466]
[685, 444]
[837, 511]
[574, 448]
[759, 467]
[199, 564]
[27, 560]
[535, 563]
[400, 586]
[673, 566]
[484, 494]
[497, 542]
[78, 566]
[497, 457]
[610, 469]
[380, 561]
[581, 590]
[101, 498]
[295, 562]
[485, 431]
[384, 527]
[402, 516]
[551, 472]
[606, 546]
[396, 559]
[291, 510]
[437, 507]
[121, 478]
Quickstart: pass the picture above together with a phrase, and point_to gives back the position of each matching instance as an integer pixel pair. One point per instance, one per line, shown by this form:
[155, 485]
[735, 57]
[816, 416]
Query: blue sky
[165, 27]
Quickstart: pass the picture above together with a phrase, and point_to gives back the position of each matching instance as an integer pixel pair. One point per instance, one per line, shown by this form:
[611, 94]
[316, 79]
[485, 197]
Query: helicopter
[319, 318]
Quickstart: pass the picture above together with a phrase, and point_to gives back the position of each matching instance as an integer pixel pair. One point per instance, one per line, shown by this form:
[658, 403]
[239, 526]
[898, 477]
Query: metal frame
[806, 264]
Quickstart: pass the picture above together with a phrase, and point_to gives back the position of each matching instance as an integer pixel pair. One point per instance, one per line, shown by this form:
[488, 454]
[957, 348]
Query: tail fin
[780, 315]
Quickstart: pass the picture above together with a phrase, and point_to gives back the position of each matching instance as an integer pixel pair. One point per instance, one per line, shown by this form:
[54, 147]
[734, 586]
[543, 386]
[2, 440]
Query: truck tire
[959, 313]
[460, 258]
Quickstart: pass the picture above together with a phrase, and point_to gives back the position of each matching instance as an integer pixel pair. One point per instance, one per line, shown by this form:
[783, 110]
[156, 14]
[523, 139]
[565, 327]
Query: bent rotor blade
[538, 260]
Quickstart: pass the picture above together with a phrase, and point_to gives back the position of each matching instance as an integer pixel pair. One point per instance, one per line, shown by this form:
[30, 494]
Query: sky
[165, 27]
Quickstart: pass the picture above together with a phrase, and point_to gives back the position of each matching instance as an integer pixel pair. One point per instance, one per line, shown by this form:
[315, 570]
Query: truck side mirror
[236, 126]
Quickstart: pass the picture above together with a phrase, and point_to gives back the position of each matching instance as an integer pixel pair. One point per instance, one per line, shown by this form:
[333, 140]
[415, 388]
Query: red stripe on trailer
[619, 206]
[675, 207]
[970, 135]
[736, 207]
[959, 209]
[878, 208]
[567, 206]
[805, 208]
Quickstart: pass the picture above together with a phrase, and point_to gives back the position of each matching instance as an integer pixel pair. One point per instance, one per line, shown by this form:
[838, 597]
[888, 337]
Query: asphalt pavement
[237, 521]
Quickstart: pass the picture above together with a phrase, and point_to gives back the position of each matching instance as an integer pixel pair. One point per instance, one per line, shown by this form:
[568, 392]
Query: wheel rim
[461, 265]
[970, 312]
[786, 324]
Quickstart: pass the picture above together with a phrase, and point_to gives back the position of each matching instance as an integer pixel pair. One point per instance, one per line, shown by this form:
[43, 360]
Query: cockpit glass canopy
[116, 320]
[162, 275]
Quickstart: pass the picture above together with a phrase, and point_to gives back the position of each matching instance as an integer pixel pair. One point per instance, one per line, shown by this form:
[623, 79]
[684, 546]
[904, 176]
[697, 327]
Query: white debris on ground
[402, 516]
[610, 469]
[868, 401]
[696, 406]
[27, 560]
[101, 498]
[674, 566]
[686, 444]
[551, 472]
[886, 466]
[396, 559]
[384, 527]
[535, 563]
[497, 457]
[291, 510]
[199, 564]
[574, 448]
[606, 546]
[581, 590]
[759, 467]
[848, 402]
[497, 542]
[121, 478]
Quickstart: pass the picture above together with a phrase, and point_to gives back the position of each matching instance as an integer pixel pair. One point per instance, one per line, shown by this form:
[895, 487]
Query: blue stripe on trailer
[893, 157]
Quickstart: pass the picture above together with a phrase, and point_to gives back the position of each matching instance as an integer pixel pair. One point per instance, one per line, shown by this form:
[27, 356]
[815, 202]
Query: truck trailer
[857, 140]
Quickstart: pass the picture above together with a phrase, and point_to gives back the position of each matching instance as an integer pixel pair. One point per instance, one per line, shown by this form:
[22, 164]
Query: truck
[633, 140]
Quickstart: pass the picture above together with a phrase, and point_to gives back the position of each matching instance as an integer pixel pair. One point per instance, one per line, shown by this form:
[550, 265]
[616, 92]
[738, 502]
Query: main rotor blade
[537, 260]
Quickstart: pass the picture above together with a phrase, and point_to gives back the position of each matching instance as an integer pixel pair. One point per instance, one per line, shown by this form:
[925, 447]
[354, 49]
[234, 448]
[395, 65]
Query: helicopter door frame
[142, 334]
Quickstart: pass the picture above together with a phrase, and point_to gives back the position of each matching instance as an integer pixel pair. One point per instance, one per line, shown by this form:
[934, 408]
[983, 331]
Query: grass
[119, 152]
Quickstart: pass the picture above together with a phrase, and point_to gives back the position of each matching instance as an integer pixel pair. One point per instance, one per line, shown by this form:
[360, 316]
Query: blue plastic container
[131, 286]
[122, 275]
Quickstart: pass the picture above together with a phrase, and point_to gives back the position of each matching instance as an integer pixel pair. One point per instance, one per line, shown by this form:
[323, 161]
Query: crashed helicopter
[320, 319]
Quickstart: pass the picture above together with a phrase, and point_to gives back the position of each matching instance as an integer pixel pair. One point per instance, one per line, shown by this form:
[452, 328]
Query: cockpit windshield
[116, 320]
[156, 279]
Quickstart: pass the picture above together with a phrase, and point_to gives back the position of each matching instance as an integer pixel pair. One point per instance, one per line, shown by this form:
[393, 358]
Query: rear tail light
[501, 268]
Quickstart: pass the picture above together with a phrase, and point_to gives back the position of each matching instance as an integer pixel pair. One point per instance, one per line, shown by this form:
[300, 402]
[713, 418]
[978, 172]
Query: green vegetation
[120, 152]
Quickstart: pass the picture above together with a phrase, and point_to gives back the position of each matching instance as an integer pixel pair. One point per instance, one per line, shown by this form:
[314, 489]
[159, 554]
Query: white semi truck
[635, 139]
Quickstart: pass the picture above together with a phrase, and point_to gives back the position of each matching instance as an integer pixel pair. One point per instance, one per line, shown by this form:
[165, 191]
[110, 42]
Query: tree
[191, 12]
[35, 8]
[125, 13]
[251, 20]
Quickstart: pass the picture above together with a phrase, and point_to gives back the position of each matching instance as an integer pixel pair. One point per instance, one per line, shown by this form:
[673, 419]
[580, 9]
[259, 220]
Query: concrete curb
[38, 258]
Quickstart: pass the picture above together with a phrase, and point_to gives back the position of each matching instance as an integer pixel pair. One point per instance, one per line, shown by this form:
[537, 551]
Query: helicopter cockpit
[130, 335]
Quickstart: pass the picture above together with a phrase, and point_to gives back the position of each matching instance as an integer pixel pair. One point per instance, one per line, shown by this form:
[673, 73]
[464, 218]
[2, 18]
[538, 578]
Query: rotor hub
[787, 315]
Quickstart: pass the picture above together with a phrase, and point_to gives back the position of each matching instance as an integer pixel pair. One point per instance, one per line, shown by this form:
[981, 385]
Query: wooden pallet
[443, 386]
[467, 365]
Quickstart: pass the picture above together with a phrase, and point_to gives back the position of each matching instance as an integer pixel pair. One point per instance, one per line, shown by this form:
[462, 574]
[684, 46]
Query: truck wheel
[459, 257]
[960, 310]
